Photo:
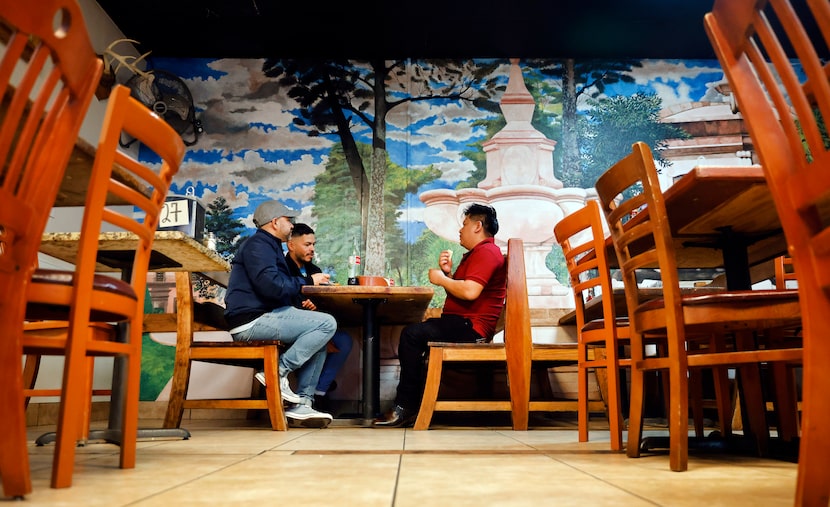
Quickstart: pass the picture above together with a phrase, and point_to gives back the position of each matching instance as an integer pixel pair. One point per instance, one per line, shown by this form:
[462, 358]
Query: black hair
[301, 230]
[484, 214]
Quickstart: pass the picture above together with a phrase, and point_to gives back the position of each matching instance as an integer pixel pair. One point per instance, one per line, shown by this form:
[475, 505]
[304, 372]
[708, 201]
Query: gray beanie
[270, 210]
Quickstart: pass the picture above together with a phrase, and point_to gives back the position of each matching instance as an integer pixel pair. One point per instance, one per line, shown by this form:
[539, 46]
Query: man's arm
[462, 289]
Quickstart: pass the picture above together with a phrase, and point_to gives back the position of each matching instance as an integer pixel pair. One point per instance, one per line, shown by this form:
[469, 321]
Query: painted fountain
[521, 186]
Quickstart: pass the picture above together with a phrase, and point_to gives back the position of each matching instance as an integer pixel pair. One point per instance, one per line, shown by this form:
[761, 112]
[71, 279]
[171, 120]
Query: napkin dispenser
[184, 213]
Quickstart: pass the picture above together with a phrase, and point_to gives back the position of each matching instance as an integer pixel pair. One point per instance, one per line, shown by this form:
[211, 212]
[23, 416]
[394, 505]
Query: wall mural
[388, 178]
[265, 138]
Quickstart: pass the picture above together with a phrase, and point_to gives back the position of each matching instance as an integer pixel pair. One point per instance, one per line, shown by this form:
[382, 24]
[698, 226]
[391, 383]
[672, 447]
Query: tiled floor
[236, 463]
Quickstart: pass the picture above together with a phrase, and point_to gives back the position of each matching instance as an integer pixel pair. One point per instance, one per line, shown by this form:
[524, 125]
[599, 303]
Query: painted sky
[250, 151]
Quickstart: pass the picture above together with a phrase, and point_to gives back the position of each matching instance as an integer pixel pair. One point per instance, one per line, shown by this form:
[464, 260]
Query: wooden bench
[516, 354]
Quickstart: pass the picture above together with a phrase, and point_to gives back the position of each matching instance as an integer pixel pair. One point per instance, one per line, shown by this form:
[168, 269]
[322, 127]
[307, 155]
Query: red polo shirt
[483, 264]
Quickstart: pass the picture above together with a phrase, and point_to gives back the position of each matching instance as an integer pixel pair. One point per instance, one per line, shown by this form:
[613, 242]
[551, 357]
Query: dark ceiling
[440, 29]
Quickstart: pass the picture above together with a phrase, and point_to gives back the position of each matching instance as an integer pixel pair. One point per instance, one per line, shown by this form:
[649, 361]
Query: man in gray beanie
[263, 302]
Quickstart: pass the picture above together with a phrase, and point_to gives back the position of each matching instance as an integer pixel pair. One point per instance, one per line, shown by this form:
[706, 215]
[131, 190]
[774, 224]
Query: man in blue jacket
[264, 302]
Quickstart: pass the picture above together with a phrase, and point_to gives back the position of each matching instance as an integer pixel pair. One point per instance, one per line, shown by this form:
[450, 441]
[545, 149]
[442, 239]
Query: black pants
[413, 347]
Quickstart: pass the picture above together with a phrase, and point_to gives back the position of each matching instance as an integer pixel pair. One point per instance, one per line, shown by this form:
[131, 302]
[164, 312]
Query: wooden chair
[48, 75]
[785, 101]
[582, 239]
[260, 355]
[82, 297]
[716, 329]
[514, 353]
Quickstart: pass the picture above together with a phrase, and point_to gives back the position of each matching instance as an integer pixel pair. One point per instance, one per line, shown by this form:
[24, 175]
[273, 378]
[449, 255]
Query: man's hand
[321, 278]
[308, 305]
[437, 276]
[445, 261]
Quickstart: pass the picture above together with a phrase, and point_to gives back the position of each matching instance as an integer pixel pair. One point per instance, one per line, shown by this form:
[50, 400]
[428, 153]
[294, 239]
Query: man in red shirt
[475, 298]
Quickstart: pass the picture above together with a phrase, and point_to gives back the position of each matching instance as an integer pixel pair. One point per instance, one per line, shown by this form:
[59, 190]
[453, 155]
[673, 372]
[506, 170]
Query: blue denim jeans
[306, 334]
[335, 360]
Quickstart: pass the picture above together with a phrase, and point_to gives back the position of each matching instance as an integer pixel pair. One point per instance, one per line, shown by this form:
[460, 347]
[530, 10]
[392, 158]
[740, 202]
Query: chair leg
[723, 391]
[272, 391]
[608, 379]
[723, 399]
[69, 421]
[696, 399]
[752, 395]
[582, 393]
[786, 400]
[83, 436]
[14, 454]
[129, 423]
[178, 392]
[635, 412]
[678, 410]
[182, 364]
[433, 382]
[31, 367]
[813, 484]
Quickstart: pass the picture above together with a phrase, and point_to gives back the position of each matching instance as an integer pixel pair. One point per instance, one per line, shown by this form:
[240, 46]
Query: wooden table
[172, 251]
[723, 216]
[378, 306]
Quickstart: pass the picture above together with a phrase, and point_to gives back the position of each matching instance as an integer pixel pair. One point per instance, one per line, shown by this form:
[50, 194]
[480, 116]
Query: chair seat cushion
[59, 310]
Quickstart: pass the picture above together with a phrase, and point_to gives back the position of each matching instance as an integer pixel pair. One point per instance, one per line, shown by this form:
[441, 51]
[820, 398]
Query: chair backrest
[147, 192]
[48, 75]
[517, 336]
[632, 201]
[582, 239]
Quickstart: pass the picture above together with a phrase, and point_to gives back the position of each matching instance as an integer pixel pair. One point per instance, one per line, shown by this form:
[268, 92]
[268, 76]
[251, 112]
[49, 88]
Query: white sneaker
[260, 376]
[307, 416]
[286, 392]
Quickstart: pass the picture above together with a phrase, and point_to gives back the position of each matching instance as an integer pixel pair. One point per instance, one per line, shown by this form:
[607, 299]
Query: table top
[172, 251]
[707, 199]
[75, 181]
[401, 304]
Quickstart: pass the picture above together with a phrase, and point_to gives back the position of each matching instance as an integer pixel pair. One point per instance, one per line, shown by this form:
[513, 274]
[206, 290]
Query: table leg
[735, 259]
[371, 357]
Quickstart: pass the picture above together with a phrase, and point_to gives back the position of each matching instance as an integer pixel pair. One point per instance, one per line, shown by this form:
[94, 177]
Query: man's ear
[479, 226]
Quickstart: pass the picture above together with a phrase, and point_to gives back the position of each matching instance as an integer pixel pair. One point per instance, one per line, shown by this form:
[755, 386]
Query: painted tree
[220, 221]
[615, 123]
[337, 214]
[581, 81]
[339, 97]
